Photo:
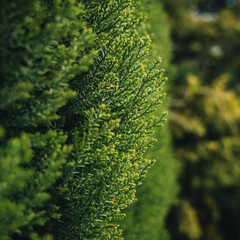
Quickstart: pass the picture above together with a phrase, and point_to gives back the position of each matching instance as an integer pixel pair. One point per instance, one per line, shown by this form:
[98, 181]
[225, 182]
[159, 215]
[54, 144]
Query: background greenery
[204, 118]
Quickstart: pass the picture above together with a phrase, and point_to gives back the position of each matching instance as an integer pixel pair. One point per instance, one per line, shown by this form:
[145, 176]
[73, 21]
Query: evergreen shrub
[66, 87]
[145, 219]
[42, 47]
[109, 124]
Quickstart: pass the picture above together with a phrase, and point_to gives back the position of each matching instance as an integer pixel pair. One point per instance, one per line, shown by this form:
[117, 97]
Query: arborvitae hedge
[42, 47]
[146, 218]
[47, 51]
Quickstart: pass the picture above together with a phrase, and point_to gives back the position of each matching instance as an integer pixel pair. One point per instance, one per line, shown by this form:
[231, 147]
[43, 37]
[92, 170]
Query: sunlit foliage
[77, 88]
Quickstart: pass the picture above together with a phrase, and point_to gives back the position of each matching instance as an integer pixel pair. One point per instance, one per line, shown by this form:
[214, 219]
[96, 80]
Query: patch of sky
[230, 3]
[212, 6]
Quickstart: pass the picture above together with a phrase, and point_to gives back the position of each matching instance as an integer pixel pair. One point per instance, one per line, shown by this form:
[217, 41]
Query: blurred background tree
[206, 36]
[204, 118]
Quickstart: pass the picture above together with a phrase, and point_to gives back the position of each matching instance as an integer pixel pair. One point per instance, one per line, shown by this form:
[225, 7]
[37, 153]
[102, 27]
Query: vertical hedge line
[76, 90]
[146, 218]
[42, 47]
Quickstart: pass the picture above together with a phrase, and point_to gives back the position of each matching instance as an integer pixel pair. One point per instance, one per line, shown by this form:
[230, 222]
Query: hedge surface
[146, 218]
[76, 90]
[36, 63]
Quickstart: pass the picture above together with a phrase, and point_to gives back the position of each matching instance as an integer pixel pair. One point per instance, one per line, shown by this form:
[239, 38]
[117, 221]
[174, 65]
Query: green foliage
[41, 50]
[13, 182]
[206, 128]
[146, 218]
[205, 36]
[158, 28]
[205, 118]
[66, 87]
[37, 60]
[29, 166]
[109, 125]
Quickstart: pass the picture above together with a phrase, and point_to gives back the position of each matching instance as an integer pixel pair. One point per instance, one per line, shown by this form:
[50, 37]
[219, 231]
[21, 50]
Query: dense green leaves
[41, 50]
[108, 123]
[76, 90]
[29, 166]
[37, 60]
[146, 218]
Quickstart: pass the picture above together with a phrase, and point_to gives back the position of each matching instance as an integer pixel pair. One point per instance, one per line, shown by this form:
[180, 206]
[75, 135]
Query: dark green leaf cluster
[41, 49]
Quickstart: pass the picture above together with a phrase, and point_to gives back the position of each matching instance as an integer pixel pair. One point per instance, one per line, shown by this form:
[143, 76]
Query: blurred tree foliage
[204, 118]
[205, 126]
[205, 37]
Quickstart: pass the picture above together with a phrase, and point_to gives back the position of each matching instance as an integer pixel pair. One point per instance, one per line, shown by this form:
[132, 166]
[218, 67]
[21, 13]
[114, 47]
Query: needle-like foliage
[77, 78]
